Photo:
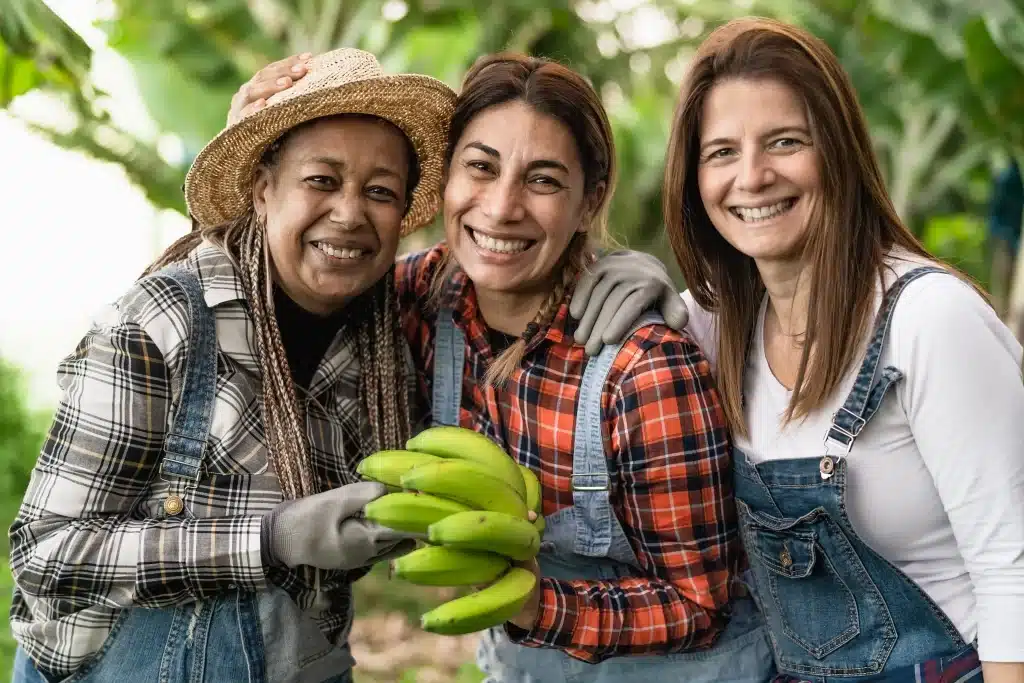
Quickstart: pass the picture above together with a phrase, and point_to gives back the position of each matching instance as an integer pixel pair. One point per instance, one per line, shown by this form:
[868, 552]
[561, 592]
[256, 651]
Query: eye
[380, 193]
[478, 168]
[322, 182]
[787, 144]
[720, 153]
[544, 184]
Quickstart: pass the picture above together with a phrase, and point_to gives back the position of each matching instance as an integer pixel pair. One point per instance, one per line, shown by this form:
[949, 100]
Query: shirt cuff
[556, 619]
[236, 562]
[1000, 637]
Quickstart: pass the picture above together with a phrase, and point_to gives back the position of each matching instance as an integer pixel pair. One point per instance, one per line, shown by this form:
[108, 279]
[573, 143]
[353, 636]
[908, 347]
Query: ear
[261, 186]
[591, 205]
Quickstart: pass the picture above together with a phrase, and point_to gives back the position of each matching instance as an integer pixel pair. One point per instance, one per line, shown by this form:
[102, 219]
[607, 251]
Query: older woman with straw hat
[194, 513]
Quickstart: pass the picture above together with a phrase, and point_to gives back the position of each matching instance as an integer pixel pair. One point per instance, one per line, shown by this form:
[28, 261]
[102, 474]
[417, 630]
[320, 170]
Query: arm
[76, 541]
[964, 399]
[671, 446]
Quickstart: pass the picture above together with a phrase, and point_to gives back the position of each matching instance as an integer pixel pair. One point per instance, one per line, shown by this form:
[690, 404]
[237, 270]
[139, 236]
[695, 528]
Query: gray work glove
[615, 291]
[327, 531]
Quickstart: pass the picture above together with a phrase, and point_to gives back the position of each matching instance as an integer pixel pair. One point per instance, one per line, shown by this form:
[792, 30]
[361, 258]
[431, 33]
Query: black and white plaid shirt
[93, 537]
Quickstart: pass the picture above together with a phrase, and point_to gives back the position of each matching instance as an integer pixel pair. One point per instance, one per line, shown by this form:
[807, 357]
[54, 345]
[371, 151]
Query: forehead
[739, 105]
[518, 131]
[348, 137]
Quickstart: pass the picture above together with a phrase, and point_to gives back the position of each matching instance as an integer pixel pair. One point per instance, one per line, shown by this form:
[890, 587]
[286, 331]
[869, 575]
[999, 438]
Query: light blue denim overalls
[238, 637]
[836, 609]
[586, 541]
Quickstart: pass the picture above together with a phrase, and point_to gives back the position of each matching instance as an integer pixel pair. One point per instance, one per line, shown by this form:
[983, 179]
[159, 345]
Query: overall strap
[449, 360]
[185, 442]
[865, 397]
[595, 519]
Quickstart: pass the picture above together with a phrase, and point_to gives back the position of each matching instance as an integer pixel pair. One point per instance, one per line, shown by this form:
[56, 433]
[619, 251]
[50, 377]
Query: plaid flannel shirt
[92, 536]
[669, 456]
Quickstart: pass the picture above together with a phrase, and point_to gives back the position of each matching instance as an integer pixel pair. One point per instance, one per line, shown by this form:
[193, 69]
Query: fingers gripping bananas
[471, 500]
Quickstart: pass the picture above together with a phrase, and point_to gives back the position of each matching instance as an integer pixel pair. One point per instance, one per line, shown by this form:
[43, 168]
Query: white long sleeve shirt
[936, 479]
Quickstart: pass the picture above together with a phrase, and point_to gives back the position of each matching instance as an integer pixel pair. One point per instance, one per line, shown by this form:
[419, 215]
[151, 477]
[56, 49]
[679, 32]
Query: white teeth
[761, 213]
[339, 253]
[499, 246]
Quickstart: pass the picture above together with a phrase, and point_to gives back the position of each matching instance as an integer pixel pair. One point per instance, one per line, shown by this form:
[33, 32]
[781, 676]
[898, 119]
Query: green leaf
[997, 80]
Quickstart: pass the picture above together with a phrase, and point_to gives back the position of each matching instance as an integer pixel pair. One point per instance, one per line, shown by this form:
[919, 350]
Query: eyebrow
[768, 134]
[536, 163]
[331, 161]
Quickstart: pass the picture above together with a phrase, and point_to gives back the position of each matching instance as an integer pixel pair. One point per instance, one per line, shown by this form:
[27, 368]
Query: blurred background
[103, 104]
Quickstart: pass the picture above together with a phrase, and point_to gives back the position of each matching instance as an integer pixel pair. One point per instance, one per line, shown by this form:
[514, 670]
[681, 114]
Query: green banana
[468, 483]
[491, 606]
[387, 467]
[411, 511]
[458, 443]
[441, 566]
[496, 532]
[533, 496]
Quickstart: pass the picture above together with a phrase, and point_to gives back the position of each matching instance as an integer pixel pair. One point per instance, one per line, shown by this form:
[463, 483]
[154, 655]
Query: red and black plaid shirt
[669, 458]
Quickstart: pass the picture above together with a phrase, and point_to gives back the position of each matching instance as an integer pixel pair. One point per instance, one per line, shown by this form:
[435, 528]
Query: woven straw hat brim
[218, 186]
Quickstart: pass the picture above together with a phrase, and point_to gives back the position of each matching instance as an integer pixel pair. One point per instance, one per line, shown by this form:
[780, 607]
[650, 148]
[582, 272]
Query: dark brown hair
[379, 339]
[557, 91]
[853, 226]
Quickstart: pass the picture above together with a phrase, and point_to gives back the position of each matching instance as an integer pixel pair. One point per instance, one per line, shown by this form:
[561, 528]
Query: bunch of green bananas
[470, 502]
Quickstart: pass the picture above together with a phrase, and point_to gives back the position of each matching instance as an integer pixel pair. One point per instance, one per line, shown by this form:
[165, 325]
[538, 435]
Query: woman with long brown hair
[874, 396]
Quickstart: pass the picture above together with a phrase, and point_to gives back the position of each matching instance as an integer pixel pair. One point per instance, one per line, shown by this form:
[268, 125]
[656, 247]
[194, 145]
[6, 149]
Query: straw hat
[218, 187]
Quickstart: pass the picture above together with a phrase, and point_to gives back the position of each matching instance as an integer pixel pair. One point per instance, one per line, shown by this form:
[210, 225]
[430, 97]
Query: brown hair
[855, 224]
[379, 340]
[555, 90]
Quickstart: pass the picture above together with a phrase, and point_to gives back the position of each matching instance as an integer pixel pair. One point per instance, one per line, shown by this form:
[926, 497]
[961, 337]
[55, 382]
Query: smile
[758, 214]
[499, 246]
[340, 254]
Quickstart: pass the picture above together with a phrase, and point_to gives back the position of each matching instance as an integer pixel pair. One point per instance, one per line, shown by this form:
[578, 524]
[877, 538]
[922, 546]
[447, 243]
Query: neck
[509, 312]
[788, 285]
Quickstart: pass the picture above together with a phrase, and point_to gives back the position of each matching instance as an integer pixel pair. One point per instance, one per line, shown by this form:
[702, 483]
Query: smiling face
[514, 198]
[333, 204]
[758, 171]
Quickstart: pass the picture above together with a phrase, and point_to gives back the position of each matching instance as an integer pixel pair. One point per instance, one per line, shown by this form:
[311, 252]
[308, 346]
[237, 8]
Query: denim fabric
[836, 609]
[586, 541]
[241, 637]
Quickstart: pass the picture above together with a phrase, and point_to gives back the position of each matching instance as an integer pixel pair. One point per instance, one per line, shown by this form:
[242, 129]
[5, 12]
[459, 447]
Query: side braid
[283, 416]
[382, 366]
[504, 366]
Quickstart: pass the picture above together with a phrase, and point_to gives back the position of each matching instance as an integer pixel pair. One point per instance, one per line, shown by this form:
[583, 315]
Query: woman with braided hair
[640, 559]
[194, 514]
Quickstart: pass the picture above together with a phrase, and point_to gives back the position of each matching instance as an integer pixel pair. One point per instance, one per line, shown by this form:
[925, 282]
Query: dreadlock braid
[283, 417]
[502, 368]
[382, 367]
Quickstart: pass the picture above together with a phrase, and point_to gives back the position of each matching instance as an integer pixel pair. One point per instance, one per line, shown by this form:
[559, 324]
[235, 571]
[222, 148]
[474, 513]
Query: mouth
[759, 214]
[509, 247]
[339, 252]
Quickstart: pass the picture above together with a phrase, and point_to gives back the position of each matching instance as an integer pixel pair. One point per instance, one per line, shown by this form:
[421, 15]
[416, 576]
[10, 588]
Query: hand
[616, 291]
[326, 531]
[271, 79]
[527, 617]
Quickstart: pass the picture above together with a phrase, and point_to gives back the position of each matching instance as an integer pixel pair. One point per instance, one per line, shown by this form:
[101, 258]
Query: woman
[194, 514]
[638, 567]
[875, 397]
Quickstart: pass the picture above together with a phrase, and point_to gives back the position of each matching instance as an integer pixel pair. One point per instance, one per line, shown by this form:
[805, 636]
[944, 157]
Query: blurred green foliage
[939, 79]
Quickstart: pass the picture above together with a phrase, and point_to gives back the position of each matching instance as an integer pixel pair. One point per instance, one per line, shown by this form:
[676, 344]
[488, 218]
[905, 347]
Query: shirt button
[232, 586]
[173, 505]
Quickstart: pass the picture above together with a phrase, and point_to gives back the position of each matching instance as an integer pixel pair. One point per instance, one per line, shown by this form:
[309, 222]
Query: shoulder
[416, 271]
[940, 317]
[656, 356]
[702, 326]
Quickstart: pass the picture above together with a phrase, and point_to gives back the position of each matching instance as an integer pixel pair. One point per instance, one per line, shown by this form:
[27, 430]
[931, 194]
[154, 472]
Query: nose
[348, 209]
[502, 201]
[755, 172]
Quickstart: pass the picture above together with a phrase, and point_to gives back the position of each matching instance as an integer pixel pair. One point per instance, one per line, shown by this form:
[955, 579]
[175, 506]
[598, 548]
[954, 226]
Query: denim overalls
[836, 609]
[242, 637]
[586, 541]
